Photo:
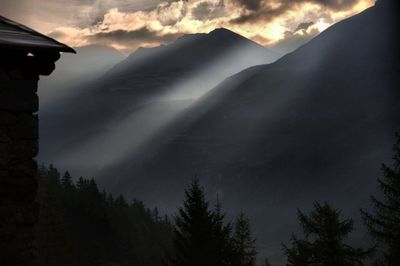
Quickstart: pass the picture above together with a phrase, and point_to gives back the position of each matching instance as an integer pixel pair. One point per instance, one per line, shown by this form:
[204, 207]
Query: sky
[129, 24]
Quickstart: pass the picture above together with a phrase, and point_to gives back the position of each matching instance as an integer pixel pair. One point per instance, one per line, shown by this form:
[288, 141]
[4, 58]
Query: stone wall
[19, 74]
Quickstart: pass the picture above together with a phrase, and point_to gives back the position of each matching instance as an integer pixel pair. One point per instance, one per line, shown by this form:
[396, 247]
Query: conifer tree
[324, 240]
[66, 180]
[245, 252]
[384, 222]
[84, 226]
[221, 237]
[194, 231]
[51, 174]
[81, 183]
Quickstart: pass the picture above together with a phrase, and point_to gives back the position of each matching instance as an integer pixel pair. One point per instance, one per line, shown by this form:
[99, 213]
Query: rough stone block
[23, 149]
[14, 74]
[4, 173]
[19, 250]
[3, 76]
[24, 130]
[19, 85]
[22, 168]
[7, 118]
[7, 213]
[4, 150]
[19, 102]
[4, 160]
[4, 136]
[28, 118]
[18, 189]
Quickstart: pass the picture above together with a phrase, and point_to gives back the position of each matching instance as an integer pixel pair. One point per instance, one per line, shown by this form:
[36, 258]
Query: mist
[138, 123]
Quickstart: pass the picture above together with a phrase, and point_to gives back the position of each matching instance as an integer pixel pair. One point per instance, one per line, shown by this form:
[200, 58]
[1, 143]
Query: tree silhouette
[201, 237]
[384, 222]
[66, 180]
[193, 230]
[79, 225]
[221, 237]
[324, 240]
[243, 243]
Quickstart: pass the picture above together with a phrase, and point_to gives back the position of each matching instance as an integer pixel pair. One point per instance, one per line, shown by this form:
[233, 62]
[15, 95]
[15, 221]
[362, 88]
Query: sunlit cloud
[127, 25]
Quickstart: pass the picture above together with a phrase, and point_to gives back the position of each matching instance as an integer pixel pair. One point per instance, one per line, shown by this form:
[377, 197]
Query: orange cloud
[266, 22]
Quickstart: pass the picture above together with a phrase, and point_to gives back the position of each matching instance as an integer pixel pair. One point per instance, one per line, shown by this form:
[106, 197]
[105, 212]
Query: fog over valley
[216, 132]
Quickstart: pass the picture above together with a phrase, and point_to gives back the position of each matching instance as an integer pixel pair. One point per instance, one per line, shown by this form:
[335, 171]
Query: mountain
[91, 62]
[314, 125]
[160, 67]
[106, 117]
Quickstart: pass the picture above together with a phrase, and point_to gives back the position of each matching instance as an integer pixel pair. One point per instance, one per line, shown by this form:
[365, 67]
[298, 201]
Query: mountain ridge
[182, 70]
[314, 125]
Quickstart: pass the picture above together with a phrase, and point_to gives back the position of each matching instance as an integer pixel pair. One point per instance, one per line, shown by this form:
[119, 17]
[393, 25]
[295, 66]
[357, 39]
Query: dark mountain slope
[90, 62]
[183, 70]
[315, 125]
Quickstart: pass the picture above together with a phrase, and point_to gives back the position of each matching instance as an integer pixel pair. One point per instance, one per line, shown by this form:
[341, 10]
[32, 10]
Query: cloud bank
[127, 25]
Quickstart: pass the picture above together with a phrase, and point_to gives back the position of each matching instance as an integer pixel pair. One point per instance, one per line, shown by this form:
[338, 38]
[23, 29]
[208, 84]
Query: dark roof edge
[62, 47]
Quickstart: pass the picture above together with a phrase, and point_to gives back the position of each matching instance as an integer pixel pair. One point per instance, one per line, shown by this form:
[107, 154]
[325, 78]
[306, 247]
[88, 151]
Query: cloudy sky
[128, 24]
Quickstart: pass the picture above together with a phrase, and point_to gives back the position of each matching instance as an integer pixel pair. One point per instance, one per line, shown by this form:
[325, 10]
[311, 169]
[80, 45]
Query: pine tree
[245, 252]
[80, 185]
[66, 180]
[51, 226]
[194, 231]
[221, 237]
[79, 225]
[324, 240]
[384, 222]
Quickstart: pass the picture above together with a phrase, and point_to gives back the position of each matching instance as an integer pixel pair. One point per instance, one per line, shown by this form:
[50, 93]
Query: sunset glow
[127, 26]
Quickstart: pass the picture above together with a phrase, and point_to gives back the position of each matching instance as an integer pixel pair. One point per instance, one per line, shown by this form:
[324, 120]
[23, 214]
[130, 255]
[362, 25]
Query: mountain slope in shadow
[169, 76]
[91, 62]
[315, 125]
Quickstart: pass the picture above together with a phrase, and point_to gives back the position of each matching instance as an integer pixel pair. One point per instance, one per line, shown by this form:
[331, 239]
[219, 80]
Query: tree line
[325, 232]
[79, 225]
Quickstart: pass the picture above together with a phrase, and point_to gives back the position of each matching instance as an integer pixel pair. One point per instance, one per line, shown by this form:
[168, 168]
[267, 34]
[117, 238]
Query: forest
[81, 225]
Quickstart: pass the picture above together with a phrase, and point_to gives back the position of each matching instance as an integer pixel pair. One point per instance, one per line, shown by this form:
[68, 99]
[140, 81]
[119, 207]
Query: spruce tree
[243, 243]
[79, 225]
[80, 185]
[194, 233]
[66, 180]
[221, 238]
[324, 240]
[384, 222]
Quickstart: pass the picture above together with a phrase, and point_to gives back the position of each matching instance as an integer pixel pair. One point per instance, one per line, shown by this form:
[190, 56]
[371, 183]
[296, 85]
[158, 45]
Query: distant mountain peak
[222, 31]
[228, 35]
[225, 33]
[219, 33]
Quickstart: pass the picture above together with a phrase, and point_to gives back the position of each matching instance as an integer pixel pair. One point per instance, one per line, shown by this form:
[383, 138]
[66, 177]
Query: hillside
[138, 97]
[315, 125]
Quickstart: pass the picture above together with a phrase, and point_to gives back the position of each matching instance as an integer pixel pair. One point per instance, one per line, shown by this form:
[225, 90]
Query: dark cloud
[57, 34]
[252, 5]
[335, 4]
[202, 11]
[304, 26]
[207, 10]
[142, 35]
[77, 13]
[262, 10]
[266, 13]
